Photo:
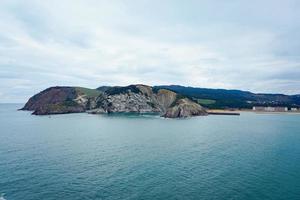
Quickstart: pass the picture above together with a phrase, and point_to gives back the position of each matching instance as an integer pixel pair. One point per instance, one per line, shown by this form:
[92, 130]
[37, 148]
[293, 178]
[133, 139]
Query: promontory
[106, 99]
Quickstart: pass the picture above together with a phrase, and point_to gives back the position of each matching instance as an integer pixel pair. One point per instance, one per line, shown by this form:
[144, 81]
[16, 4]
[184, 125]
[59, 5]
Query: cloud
[200, 43]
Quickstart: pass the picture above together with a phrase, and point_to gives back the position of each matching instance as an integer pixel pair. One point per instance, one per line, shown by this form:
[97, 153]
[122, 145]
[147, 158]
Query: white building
[270, 109]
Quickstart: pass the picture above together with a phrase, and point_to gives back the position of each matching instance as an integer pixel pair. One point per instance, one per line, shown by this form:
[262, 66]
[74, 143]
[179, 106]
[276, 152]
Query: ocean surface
[83, 156]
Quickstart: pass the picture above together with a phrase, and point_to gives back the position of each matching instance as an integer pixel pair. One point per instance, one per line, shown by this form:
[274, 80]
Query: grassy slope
[88, 92]
[206, 101]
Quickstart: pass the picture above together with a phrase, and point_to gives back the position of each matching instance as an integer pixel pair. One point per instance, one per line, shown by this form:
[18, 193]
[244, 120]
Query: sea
[146, 157]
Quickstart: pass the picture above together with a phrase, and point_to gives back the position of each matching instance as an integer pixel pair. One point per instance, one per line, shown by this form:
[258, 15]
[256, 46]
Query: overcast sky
[232, 44]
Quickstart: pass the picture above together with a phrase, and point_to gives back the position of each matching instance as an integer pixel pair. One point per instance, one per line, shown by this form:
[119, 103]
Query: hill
[128, 99]
[221, 98]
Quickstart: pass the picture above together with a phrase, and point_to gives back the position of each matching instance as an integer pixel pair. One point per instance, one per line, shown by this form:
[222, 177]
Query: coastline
[222, 112]
[238, 112]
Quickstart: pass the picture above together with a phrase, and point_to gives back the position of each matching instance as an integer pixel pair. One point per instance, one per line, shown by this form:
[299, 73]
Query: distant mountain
[221, 98]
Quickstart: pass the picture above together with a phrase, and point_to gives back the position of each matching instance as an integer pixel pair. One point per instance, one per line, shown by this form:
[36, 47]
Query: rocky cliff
[129, 99]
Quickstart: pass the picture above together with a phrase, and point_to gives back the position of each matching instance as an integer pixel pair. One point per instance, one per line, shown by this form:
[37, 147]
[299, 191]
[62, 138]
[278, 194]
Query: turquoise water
[82, 156]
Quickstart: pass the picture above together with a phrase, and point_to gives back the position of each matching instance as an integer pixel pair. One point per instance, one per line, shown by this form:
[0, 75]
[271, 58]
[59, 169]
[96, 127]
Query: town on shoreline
[255, 109]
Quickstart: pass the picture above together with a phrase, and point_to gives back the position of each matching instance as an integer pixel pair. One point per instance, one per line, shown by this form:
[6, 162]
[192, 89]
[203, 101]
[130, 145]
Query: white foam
[1, 197]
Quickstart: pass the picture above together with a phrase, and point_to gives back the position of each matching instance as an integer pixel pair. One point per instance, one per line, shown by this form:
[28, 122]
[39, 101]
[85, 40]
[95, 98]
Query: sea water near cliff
[82, 156]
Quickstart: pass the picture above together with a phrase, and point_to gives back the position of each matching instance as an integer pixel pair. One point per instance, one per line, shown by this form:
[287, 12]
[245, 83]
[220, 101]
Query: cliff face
[133, 98]
[166, 98]
[184, 108]
[60, 100]
[50, 96]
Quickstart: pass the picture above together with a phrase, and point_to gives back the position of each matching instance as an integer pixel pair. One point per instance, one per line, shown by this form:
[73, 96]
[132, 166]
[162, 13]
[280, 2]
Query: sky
[232, 44]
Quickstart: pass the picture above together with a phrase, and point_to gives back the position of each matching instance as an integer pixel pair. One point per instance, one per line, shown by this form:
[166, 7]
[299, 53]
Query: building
[270, 109]
[281, 109]
[294, 109]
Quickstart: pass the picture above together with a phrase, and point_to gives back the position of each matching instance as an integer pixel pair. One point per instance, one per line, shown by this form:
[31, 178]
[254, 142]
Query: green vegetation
[233, 98]
[178, 97]
[120, 90]
[69, 103]
[56, 107]
[206, 101]
[88, 92]
[151, 104]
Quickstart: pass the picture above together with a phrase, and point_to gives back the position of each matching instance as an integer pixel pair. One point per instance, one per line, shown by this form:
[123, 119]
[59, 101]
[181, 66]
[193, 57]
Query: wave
[2, 197]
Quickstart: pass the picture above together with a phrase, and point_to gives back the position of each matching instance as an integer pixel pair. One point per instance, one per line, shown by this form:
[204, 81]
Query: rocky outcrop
[60, 100]
[129, 102]
[59, 108]
[166, 98]
[53, 95]
[129, 99]
[184, 108]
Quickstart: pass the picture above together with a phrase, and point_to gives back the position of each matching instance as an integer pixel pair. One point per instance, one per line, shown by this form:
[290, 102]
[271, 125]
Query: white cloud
[93, 43]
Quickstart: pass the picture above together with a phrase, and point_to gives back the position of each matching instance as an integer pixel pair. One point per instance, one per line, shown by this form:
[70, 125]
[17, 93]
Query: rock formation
[129, 99]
